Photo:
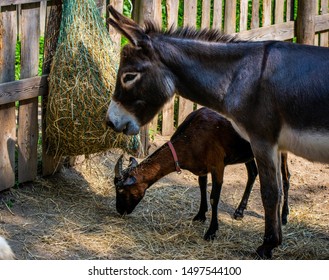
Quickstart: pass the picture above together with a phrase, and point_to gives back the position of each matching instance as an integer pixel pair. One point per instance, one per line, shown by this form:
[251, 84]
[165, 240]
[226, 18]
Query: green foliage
[18, 58]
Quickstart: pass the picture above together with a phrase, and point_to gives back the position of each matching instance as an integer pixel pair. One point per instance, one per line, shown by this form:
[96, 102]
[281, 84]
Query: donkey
[275, 93]
[204, 143]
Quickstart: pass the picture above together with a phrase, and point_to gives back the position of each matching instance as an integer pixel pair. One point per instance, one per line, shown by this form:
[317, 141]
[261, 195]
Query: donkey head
[128, 191]
[143, 84]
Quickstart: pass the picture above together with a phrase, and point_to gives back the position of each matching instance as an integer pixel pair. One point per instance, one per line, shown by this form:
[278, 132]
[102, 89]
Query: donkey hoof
[209, 236]
[284, 220]
[199, 218]
[264, 253]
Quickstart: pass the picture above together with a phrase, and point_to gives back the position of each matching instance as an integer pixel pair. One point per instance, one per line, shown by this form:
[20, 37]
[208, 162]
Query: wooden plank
[205, 19]
[145, 10]
[17, 2]
[23, 89]
[243, 14]
[317, 12]
[172, 7]
[305, 24]
[218, 15]
[289, 10]
[185, 106]
[279, 11]
[156, 17]
[324, 36]
[230, 17]
[190, 12]
[321, 23]
[282, 31]
[8, 32]
[168, 127]
[205, 22]
[50, 165]
[28, 130]
[116, 36]
[267, 12]
[254, 14]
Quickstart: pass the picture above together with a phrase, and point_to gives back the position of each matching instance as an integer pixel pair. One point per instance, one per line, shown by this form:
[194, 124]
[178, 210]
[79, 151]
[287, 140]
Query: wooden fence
[22, 131]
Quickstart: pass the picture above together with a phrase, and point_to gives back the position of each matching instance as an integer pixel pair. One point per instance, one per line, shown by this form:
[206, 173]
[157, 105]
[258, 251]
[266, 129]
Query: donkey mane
[189, 32]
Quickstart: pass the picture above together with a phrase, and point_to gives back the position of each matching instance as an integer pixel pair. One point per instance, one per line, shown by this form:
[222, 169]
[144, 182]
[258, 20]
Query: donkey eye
[129, 78]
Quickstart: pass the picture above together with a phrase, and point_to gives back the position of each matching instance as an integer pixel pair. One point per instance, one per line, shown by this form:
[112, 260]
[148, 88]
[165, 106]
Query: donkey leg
[286, 185]
[201, 216]
[252, 174]
[217, 182]
[268, 162]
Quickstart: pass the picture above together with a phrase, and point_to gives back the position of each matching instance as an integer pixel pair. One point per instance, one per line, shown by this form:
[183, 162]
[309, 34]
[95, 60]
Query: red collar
[173, 152]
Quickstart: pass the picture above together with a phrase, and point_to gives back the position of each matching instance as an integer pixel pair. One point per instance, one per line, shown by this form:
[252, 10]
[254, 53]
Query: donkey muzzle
[120, 120]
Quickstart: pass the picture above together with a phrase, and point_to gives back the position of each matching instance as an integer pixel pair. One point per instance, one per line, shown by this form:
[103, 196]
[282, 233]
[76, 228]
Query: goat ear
[128, 28]
[131, 180]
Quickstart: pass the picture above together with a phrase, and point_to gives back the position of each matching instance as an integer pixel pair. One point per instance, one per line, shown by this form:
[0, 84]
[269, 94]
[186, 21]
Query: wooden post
[27, 139]
[168, 110]
[218, 15]
[146, 10]
[8, 32]
[206, 8]
[279, 11]
[305, 23]
[115, 36]
[154, 14]
[255, 14]
[267, 12]
[243, 15]
[190, 14]
[50, 164]
[230, 17]
[324, 36]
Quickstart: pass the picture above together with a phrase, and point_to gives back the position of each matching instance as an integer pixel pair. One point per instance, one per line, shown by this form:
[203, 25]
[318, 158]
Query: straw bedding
[81, 82]
[72, 216]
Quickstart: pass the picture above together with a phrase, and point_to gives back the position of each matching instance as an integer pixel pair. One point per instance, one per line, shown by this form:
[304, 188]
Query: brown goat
[205, 143]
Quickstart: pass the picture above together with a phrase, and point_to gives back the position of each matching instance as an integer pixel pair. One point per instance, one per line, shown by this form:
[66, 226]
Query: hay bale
[81, 81]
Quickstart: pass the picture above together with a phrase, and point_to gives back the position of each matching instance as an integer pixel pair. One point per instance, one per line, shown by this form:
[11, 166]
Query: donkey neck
[204, 70]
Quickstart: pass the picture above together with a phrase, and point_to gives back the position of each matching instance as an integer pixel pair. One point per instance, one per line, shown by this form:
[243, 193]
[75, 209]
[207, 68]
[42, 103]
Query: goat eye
[120, 190]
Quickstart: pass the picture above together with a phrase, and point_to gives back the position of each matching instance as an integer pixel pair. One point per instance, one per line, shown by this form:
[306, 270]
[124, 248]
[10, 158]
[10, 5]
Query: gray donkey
[275, 93]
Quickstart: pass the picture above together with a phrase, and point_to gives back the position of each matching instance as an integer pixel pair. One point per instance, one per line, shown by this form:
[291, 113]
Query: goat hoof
[264, 253]
[238, 215]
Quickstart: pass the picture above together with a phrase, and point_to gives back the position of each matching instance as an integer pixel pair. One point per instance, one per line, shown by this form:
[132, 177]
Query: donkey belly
[311, 145]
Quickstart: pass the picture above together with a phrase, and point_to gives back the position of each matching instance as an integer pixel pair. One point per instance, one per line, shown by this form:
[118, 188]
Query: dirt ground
[72, 215]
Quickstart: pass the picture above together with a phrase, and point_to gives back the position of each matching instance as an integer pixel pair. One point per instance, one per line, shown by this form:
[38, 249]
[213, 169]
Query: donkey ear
[127, 27]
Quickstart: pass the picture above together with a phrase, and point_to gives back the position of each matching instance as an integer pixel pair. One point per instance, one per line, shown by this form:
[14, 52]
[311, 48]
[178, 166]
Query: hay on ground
[73, 216]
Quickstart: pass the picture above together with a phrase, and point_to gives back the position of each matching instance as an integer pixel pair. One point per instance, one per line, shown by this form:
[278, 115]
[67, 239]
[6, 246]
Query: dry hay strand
[81, 82]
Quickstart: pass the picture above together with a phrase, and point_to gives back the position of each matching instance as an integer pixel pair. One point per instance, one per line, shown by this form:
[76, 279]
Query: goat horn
[118, 167]
[132, 162]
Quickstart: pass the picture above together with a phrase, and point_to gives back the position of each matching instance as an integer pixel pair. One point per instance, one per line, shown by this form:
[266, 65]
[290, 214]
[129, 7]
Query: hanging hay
[81, 81]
